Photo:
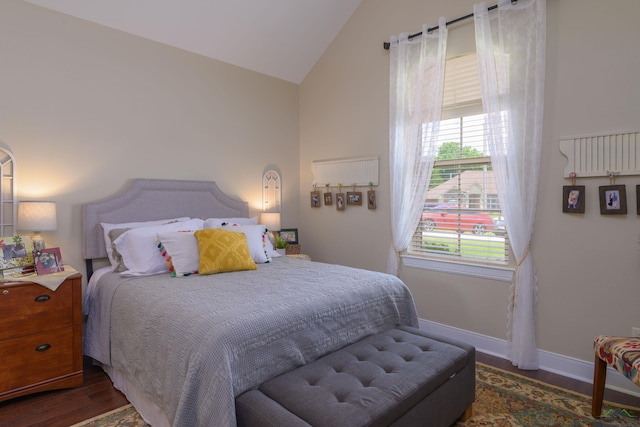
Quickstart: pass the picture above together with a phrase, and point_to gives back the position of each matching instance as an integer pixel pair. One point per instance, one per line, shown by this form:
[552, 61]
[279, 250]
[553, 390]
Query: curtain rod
[387, 45]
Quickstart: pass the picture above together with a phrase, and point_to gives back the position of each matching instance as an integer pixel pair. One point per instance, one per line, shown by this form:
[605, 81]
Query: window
[461, 219]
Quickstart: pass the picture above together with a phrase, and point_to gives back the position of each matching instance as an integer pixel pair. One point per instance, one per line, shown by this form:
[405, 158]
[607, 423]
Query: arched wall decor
[8, 198]
[271, 191]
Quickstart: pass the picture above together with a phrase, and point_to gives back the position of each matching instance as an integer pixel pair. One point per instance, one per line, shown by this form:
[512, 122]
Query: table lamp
[36, 217]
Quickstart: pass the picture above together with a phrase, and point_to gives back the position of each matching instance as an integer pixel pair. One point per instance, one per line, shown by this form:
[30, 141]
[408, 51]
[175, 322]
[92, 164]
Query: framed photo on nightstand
[289, 235]
[49, 261]
[16, 252]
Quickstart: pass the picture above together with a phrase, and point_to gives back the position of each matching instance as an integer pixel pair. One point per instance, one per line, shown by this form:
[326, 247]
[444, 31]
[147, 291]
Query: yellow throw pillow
[223, 251]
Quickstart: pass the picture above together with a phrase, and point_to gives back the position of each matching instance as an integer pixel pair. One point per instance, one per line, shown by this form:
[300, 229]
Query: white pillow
[180, 251]
[107, 227]
[257, 240]
[138, 247]
[219, 222]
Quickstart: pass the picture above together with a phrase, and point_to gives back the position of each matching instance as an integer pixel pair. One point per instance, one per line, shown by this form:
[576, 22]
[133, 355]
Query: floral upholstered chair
[621, 353]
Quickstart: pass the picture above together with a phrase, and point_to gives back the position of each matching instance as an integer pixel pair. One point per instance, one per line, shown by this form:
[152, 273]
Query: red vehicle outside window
[447, 217]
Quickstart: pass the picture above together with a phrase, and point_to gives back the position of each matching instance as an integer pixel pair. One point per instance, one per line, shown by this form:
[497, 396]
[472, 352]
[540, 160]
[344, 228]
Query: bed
[182, 346]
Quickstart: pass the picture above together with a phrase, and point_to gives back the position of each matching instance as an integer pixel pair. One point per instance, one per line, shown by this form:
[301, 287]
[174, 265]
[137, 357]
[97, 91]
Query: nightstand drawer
[36, 358]
[30, 308]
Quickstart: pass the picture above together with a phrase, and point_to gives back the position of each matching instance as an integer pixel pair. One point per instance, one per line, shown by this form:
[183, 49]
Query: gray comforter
[192, 344]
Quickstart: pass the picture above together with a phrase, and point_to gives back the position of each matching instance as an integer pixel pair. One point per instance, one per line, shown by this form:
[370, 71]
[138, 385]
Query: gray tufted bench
[400, 377]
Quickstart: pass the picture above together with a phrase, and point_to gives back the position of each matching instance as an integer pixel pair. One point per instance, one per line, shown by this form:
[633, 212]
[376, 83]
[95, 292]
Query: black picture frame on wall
[637, 199]
[573, 198]
[613, 200]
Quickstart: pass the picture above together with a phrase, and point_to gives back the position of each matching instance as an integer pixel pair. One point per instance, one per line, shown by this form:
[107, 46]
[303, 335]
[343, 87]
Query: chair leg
[599, 378]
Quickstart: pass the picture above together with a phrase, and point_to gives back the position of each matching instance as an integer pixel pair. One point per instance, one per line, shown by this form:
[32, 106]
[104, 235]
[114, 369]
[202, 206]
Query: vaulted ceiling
[280, 38]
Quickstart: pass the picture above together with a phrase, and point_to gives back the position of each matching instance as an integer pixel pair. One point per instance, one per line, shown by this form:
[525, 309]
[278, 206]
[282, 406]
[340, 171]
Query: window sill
[501, 274]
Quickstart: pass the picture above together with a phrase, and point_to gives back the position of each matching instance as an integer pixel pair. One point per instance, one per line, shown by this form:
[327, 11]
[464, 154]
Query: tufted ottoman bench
[400, 377]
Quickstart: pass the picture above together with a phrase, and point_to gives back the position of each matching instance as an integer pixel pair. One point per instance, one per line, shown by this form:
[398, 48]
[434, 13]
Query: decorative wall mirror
[271, 191]
[8, 198]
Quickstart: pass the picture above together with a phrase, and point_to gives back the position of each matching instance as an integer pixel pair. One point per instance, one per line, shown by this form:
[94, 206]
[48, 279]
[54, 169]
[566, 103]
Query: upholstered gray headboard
[153, 199]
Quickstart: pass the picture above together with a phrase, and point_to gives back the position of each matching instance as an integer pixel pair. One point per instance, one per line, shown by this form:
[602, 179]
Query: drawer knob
[5, 292]
[43, 347]
[43, 298]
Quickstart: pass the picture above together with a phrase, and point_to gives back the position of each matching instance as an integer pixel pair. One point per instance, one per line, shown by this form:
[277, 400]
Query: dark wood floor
[66, 407]
[62, 408]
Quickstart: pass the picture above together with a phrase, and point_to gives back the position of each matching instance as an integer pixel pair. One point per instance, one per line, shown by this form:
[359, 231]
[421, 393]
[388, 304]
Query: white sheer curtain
[416, 85]
[511, 55]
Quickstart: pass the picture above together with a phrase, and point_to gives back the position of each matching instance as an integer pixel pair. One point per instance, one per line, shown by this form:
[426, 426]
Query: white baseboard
[551, 362]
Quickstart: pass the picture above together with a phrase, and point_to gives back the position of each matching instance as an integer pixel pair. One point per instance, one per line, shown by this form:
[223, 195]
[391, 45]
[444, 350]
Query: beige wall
[588, 265]
[85, 108]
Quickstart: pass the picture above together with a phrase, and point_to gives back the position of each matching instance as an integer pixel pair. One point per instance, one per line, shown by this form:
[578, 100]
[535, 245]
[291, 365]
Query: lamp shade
[37, 216]
[271, 220]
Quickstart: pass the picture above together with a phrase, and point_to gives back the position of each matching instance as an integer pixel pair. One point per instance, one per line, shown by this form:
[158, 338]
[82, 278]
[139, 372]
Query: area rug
[125, 416]
[507, 399]
[503, 399]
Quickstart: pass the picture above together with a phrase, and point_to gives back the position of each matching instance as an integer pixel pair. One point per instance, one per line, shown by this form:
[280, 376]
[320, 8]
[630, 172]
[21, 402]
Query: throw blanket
[192, 344]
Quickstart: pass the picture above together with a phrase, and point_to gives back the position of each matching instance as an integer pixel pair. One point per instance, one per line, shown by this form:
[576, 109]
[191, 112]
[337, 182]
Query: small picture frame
[328, 199]
[15, 252]
[371, 199]
[289, 235]
[638, 199]
[573, 198]
[49, 261]
[315, 199]
[340, 201]
[354, 198]
[613, 200]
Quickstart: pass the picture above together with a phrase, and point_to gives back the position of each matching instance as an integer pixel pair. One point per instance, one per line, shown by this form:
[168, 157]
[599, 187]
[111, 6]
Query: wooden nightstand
[40, 337]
